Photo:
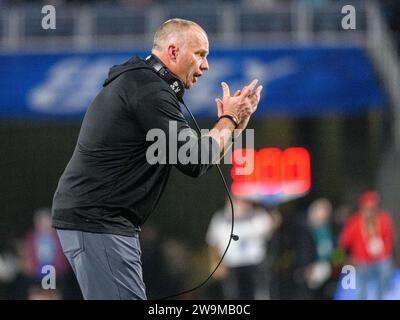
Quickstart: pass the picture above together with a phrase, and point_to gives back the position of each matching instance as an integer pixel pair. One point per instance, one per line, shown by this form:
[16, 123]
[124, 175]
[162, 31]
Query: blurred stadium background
[329, 90]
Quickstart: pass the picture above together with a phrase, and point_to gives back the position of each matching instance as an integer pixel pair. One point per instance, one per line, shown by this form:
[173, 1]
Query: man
[314, 249]
[368, 236]
[109, 188]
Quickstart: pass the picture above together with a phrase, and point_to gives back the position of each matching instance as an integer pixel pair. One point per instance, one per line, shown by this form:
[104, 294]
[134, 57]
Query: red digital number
[296, 171]
[270, 171]
[243, 172]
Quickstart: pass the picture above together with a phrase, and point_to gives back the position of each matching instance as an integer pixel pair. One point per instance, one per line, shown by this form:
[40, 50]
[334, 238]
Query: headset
[178, 88]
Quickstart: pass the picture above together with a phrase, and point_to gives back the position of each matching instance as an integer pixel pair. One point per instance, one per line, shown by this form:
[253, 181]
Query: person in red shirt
[368, 237]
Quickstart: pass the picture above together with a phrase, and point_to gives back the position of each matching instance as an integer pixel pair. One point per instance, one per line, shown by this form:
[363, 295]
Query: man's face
[192, 60]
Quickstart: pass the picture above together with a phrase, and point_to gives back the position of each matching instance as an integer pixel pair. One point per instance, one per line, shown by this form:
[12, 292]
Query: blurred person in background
[111, 185]
[315, 245]
[39, 248]
[368, 237]
[239, 273]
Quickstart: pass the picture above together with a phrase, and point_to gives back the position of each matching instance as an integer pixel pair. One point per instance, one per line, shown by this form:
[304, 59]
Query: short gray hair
[171, 28]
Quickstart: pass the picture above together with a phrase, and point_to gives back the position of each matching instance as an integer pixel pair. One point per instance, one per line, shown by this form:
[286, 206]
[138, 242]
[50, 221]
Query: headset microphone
[234, 237]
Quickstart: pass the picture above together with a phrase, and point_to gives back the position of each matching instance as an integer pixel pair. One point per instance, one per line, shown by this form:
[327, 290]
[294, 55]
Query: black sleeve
[158, 108]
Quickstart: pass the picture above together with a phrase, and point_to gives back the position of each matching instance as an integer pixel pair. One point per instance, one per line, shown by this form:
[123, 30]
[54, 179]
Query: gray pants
[106, 266]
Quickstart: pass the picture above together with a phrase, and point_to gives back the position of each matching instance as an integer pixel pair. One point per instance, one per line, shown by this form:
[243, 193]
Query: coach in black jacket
[112, 184]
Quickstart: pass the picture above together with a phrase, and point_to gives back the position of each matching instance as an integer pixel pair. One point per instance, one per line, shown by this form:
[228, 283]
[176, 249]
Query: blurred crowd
[141, 3]
[278, 255]
[303, 256]
[328, 240]
[390, 8]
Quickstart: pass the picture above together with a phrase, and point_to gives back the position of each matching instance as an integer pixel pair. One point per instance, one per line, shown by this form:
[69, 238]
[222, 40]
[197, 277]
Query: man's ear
[173, 51]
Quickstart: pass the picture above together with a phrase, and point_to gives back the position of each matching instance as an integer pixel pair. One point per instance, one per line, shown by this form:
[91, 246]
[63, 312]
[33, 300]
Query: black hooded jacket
[109, 186]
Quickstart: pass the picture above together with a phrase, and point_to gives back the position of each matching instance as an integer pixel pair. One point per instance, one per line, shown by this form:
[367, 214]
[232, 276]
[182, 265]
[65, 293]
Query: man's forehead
[199, 37]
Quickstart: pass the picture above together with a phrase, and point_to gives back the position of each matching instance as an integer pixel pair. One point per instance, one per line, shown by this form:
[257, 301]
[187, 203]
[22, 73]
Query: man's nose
[204, 65]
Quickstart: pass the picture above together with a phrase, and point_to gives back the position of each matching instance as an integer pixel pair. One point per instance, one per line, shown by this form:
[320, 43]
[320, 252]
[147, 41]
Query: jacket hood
[132, 64]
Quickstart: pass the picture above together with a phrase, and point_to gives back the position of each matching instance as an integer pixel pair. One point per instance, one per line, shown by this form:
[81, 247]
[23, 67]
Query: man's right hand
[241, 105]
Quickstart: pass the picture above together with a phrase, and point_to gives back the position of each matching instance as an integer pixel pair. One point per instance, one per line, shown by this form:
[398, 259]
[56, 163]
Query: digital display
[270, 171]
